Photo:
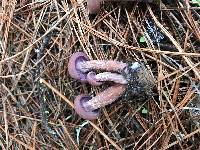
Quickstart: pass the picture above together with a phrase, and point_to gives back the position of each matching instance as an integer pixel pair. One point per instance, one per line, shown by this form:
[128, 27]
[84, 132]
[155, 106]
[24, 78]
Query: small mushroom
[79, 65]
[82, 111]
[94, 5]
[73, 66]
[96, 79]
[88, 108]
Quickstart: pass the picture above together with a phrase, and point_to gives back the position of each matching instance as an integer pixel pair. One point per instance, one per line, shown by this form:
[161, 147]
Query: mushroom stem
[108, 65]
[104, 98]
[79, 65]
[96, 79]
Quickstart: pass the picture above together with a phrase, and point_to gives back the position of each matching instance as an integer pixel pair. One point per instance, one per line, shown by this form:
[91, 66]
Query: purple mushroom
[79, 65]
[73, 66]
[96, 79]
[93, 6]
[133, 80]
[88, 108]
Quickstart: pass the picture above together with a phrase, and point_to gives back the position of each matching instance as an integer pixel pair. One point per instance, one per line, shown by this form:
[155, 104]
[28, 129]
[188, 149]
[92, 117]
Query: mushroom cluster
[84, 70]
[93, 6]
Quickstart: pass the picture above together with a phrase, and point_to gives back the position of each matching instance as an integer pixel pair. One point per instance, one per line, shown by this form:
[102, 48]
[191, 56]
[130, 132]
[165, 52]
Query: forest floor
[37, 39]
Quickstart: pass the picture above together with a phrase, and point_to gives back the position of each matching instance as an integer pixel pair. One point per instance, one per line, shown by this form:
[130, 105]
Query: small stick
[40, 87]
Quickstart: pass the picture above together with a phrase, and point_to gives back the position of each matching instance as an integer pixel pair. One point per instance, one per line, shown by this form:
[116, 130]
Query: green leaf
[142, 39]
[144, 111]
[196, 2]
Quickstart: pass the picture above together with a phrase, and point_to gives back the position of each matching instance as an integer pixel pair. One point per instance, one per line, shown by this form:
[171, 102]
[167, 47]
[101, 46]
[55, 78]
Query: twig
[41, 88]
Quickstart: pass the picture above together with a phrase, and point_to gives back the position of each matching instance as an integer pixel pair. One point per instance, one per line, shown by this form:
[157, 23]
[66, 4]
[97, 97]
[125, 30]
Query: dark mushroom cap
[92, 80]
[72, 66]
[81, 110]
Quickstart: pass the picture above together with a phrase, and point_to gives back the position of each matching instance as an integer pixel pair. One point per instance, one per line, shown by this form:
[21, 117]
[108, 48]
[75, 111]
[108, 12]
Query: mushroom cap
[92, 79]
[81, 110]
[93, 6]
[72, 66]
